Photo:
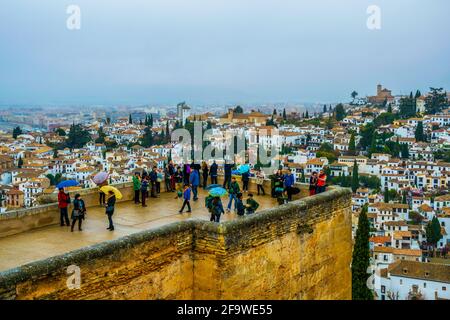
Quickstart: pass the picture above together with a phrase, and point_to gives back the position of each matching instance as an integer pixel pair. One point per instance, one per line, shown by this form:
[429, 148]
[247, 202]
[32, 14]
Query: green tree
[17, 131]
[355, 177]
[407, 106]
[436, 101]
[284, 115]
[404, 151]
[386, 195]
[326, 150]
[60, 132]
[352, 145]
[77, 137]
[340, 112]
[354, 95]
[361, 259]
[433, 232]
[20, 162]
[389, 109]
[55, 153]
[238, 109]
[419, 132]
[374, 144]
[307, 114]
[147, 139]
[101, 136]
[130, 119]
[371, 182]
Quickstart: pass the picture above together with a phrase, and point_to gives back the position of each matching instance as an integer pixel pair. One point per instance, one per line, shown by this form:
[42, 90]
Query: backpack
[209, 202]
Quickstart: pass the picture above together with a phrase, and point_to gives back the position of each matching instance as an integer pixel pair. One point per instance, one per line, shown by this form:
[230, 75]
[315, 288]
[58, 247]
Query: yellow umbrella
[107, 189]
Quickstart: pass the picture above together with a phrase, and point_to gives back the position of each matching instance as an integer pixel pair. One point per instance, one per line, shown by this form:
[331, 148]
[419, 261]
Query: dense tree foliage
[436, 101]
[77, 137]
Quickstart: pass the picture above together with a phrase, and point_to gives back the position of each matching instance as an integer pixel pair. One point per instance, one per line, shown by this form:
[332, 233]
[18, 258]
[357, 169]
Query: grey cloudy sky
[218, 51]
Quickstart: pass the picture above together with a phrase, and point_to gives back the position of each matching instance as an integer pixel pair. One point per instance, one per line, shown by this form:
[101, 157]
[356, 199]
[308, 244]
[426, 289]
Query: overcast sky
[218, 51]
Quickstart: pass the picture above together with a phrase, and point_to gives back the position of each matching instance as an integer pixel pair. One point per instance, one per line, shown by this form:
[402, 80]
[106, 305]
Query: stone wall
[17, 221]
[301, 250]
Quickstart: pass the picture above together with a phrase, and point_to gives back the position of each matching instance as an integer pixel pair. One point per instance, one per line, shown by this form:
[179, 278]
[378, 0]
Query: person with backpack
[233, 192]
[63, 203]
[216, 209]
[240, 208]
[78, 212]
[251, 204]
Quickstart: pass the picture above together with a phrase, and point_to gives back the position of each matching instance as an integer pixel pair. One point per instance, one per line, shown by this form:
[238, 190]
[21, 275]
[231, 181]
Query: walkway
[129, 218]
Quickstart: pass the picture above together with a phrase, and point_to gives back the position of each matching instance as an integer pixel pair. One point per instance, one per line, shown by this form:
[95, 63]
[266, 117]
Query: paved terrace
[45, 242]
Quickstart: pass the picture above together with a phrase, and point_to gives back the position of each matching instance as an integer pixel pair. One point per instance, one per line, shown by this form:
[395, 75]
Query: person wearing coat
[213, 172]
[78, 212]
[289, 184]
[205, 172]
[110, 204]
[136, 187]
[187, 198]
[153, 181]
[245, 181]
[63, 203]
[194, 180]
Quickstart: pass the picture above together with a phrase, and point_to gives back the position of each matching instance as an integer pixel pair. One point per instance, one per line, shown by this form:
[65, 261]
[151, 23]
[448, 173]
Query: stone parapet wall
[301, 250]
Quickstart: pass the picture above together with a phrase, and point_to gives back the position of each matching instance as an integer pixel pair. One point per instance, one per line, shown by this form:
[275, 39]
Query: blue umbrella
[67, 183]
[244, 168]
[212, 186]
[218, 192]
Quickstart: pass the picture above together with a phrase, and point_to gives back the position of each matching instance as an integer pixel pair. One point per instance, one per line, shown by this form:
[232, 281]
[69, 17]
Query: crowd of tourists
[184, 181]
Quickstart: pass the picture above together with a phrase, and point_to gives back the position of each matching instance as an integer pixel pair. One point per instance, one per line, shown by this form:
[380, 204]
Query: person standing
[136, 187]
[213, 172]
[289, 184]
[234, 190]
[178, 177]
[260, 182]
[216, 209]
[187, 199]
[63, 203]
[167, 178]
[110, 204]
[313, 183]
[277, 183]
[144, 190]
[78, 212]
[227, 174]
[186, 173]
[172, 172]
[205, 172]
[159, 179]
[194, 180]
[153, 180]
[251, 205]
[321, 181]
[245, 180]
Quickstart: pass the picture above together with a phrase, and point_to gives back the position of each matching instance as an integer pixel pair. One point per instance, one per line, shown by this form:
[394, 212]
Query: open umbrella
[100, 177]
[67, 183]
[244, 168]
[107, 189]
[218, 192]
[212, 186]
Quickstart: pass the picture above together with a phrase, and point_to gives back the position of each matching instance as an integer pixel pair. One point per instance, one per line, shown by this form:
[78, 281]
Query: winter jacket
[289, 180]
[213, 170]
[194, 178]
[187, 194]
[136, 183]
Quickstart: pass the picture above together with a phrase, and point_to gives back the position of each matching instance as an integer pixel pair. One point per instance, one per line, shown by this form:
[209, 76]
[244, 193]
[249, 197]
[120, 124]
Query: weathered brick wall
[298, 251]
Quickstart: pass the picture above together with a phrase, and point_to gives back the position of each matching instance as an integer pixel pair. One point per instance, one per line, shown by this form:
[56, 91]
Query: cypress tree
[130, 120]
[284, 114]
[386, 195]
[360, 259]
[352, 145]
[20, 162]
[355, 177]
[419, 132]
